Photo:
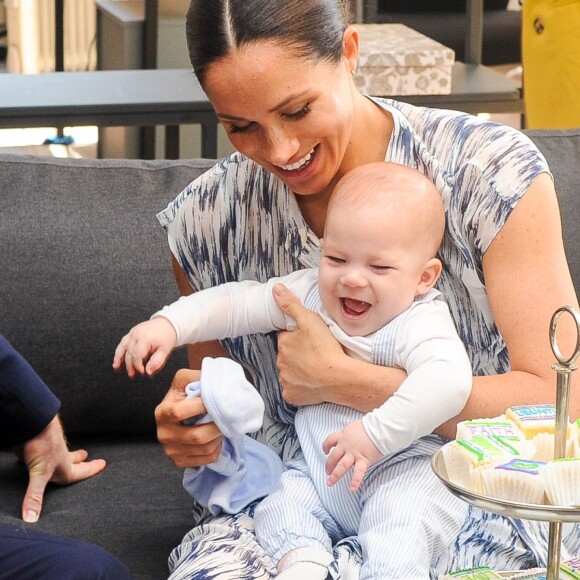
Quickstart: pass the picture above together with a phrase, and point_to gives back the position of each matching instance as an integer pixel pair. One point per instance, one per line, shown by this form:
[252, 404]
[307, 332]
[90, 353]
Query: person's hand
[151, 341]
[48, 460]
[305, 355]
[351, 447]
[186, 445]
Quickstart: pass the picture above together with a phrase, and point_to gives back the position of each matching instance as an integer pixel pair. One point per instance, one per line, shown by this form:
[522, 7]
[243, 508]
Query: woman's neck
[313, 209]
[373, 121]
[371, 135]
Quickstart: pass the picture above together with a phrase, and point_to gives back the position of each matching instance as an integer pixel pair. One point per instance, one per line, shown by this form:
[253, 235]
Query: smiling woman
[285, 118]
[278, 74]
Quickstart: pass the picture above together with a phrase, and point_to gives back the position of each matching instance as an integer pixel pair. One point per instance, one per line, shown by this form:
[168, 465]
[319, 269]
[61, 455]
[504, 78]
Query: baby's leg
[226, 548]
[294, 527]
[409, 517]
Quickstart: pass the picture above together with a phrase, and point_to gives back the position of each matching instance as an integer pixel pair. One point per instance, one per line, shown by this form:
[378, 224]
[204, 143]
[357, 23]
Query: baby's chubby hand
[150, 342]
[350, 447]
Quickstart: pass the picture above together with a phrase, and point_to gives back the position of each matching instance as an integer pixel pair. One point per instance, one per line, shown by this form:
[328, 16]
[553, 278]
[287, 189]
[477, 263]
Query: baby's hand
[347, 448]
[150, 342]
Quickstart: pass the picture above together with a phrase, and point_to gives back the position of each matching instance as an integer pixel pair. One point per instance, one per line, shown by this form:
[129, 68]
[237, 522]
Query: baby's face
[370, 269]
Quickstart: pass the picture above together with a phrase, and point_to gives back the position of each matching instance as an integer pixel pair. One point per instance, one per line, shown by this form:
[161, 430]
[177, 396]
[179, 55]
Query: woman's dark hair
[312, 28]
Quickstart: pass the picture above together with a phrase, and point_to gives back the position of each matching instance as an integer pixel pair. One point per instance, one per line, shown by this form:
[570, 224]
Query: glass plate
[527, 511]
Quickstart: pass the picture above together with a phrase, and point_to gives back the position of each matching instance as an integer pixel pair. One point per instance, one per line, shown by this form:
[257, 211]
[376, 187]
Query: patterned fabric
[397, 60]
[240, 222]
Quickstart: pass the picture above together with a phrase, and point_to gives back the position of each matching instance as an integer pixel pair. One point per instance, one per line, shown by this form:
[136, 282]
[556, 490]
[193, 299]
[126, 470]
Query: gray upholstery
[82, 259]
[562, 150]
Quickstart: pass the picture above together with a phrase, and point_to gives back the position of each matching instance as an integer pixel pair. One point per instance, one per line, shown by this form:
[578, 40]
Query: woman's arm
[188, 445]
[527, 280]
[313, 367]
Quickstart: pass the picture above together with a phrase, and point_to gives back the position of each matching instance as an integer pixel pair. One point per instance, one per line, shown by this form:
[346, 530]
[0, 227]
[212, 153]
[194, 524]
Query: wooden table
[167, 97]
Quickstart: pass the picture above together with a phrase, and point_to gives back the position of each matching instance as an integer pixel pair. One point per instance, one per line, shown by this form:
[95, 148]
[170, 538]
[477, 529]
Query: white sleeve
[233, 309]
[438, 383]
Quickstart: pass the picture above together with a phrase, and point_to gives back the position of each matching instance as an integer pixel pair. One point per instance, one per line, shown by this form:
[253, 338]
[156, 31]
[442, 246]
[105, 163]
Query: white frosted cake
[465, 459]
[562, 479]
[538, 423]
[495, 426]
[517, 480]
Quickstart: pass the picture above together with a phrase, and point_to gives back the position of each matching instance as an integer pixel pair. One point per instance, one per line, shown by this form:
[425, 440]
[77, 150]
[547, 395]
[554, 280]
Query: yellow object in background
[551, 63]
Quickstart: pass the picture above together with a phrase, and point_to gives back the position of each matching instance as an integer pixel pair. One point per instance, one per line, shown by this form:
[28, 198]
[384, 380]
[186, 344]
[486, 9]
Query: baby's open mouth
[352, 307]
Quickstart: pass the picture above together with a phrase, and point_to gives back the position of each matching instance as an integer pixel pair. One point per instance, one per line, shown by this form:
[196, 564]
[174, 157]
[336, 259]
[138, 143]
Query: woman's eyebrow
[277, 107]
[287, 100]
[225, 117]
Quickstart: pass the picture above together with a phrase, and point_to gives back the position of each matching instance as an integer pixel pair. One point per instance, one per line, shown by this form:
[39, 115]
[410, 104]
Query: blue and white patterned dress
[239, 222]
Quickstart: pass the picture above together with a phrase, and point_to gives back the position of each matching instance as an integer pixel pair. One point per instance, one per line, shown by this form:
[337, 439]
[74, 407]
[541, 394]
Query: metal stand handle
[564, 368]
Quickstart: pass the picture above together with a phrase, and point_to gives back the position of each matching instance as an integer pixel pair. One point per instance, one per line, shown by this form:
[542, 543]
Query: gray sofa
[82, 259]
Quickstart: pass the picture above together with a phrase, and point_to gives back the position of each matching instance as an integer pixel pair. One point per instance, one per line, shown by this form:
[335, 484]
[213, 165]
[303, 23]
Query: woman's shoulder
[461, 152]
[226, 177]
[233, 182]
[444, 129]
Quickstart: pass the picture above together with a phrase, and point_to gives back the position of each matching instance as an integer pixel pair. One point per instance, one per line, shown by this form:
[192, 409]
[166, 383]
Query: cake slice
[466, 458]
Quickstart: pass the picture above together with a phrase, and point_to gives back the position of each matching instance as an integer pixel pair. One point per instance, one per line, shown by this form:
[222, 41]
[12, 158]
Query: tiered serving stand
[555, 515]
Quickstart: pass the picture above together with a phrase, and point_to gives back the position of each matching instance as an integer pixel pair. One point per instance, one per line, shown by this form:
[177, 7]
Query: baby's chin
[359, 328]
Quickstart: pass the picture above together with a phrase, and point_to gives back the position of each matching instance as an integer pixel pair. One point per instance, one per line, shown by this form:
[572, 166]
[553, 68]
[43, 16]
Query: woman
[279, 75]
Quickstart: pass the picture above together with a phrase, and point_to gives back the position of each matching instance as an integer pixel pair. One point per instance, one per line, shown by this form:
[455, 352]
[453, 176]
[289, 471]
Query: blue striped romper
[400, 496]
[238, 221]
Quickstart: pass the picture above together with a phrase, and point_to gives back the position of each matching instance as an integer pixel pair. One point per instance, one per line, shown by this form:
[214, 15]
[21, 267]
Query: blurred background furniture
[146, 34]
[50, 35]
[475, 88]
[126, 98]
[149, 34]
[447, 21]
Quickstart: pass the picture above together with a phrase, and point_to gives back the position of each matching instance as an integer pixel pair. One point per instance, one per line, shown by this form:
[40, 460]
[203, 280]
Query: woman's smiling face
[290, 114]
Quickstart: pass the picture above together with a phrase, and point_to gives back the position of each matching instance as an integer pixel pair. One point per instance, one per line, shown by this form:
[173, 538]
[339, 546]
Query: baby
[374, 288]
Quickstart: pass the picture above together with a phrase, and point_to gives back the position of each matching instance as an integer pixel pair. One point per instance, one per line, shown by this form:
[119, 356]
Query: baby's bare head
[394, 193]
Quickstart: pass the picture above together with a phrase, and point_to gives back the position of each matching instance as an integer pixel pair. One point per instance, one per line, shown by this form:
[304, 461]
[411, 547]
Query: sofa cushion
[84, 259]
[562, 150]
[136, 509]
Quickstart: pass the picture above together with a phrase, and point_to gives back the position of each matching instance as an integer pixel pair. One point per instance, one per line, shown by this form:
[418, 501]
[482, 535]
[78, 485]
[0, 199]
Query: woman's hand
[186, 445]
[314, 368]
[48, 459]
[307, 356]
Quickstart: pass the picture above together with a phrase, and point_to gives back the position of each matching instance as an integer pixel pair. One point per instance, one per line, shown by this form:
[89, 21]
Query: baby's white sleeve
[228, 310]
[438, 383]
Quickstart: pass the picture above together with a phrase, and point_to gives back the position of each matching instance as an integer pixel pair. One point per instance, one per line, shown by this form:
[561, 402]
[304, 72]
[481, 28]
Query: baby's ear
[431, 272]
